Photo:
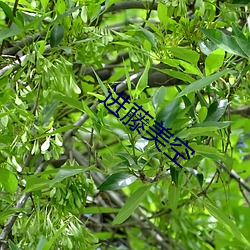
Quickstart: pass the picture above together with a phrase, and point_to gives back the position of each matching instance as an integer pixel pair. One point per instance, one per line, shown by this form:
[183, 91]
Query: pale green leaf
[214, 61]
[8, 180]
[173, 195]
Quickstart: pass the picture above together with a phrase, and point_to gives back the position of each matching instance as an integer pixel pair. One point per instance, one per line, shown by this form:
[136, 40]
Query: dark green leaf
[223, 41]
[198, 175]
[216, 110]
[245, 2]
[7, 10]
[174, 172]
[158, 97]
[117, 181]
[168, 114]
[146, 34]
[56, 35]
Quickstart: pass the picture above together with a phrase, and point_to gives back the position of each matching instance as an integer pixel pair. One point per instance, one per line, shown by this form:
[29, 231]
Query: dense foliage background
[72, 175]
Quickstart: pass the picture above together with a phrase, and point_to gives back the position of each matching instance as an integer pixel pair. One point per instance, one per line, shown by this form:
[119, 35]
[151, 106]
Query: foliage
[72, 175]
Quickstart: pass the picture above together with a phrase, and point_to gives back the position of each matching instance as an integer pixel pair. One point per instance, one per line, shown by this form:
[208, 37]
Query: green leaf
[214, 61]
[66, 172]
[35, 183]
[98, 210]
[70, 101]
[227, 223]
[210, 152]
[9, 211]
[13, 246]
[223, 41]
[143, 81]
[49, 110]
[49, 244]
[104, 89]
[168, 114]
[244, 45]
[147, 35]
[216, 110]
[177, 74]
[186, 54]
[202, 114]
[173, 196]
[9, 32]
[189, 68]
[56, 35]
[132, 203]
[7, 10]
[68, 12]
[117, 181]
[219, 125]
[198, 175]
[44, 3]
[174, 172]
[197, 131]
[197, 85]
[245, 2]
[8, 180]
[158, 97]
[41, 243]
[162, 12]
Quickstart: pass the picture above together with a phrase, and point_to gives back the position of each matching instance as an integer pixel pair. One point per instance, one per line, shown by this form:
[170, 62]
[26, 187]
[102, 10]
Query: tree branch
[20, 203]
[236, 177]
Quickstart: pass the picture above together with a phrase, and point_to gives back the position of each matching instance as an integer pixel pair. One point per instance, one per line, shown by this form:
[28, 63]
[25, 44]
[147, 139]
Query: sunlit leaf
[117, 181]
[216, 110]
[223, 41]
[8, 180]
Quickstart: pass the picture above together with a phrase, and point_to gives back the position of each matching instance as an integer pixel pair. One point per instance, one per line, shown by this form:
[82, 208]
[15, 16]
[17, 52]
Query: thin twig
[148, 14]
